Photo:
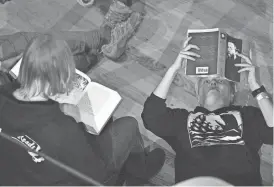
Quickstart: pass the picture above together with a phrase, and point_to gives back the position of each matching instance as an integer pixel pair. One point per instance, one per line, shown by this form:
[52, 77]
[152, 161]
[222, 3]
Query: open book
[218, 54]
[90, 102]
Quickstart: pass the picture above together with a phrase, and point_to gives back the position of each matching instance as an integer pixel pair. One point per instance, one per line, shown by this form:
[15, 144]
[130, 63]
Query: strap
[258, 91]
[53, 161]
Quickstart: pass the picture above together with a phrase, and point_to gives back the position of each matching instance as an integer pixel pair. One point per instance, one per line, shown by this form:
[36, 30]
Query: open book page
[15, 69]
[80, 86]
[97, 106]
[207, 41]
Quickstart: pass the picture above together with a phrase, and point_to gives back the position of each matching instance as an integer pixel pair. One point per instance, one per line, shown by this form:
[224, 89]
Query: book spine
[221, 53]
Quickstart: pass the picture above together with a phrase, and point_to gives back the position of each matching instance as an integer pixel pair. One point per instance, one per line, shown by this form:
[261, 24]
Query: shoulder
[251, 115]
[250, 111]
[9, 88]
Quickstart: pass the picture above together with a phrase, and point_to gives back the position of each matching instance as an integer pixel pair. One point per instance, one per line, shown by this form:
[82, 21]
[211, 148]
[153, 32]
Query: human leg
[121, 146]
[83, 45]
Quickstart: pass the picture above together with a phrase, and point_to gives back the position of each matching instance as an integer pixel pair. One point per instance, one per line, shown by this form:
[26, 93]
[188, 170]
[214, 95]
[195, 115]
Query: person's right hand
[185, 54]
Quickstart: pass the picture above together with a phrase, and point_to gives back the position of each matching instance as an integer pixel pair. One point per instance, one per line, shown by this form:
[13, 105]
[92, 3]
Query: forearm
[266, 107]
[163, 88]
[265, 104]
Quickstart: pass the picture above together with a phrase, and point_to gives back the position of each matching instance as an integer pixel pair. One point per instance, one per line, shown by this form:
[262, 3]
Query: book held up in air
[88, 102]
[218, 54]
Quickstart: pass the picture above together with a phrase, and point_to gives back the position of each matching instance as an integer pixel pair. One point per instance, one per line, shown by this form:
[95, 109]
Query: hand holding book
[163, 88]
[248, 66]
[185, 54]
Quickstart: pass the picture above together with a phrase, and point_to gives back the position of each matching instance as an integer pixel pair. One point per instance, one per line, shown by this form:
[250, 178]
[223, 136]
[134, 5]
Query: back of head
[47, 67]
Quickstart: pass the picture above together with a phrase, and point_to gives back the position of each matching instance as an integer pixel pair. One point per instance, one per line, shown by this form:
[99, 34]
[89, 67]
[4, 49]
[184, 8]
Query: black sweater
[223, 143]
[43, 127]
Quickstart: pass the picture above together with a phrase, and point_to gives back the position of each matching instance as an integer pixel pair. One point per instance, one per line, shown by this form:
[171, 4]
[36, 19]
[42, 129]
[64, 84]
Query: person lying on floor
[31, 118]
[217, 139]
[111, 38]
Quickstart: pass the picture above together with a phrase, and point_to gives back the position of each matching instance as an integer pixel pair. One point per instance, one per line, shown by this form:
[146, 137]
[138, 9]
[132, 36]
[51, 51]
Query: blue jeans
[121, 146]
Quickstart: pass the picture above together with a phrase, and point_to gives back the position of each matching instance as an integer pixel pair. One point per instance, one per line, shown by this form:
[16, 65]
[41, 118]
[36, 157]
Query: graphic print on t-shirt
[27, 141]
[211, 129]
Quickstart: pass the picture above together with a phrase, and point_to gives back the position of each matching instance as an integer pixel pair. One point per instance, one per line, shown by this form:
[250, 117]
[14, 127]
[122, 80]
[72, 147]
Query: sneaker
[154, 163]
[85, 3]
[4, 1]
[120, 35]
[118, 12]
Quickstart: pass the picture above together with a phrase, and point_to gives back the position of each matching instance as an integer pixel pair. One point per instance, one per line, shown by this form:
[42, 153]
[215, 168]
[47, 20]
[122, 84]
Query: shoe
[4, 1]
[154, 163]
[85, 3]
[118, 12]
[120, 35]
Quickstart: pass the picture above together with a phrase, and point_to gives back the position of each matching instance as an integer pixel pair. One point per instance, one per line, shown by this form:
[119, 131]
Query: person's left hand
[248, 66]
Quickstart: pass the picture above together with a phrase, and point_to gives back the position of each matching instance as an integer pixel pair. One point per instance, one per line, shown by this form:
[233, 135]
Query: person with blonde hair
[29, 117]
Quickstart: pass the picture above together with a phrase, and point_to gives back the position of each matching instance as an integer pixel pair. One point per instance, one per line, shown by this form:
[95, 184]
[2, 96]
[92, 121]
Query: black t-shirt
[223, 143]
[43, 127]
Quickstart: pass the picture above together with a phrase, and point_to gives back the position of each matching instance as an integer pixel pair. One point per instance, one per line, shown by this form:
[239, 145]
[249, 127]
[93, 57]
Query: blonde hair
[47, 67]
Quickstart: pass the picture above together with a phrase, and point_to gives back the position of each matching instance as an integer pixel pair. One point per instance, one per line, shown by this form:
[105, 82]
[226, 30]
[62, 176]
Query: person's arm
[265, 104]
[163, 88]
[266, 107]
[160, 119]
[157, 117]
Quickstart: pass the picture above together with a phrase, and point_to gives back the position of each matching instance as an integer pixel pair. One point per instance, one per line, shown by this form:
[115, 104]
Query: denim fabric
[120, 145]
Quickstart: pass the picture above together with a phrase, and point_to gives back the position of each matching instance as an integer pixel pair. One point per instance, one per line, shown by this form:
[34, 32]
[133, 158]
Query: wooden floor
[155, 46]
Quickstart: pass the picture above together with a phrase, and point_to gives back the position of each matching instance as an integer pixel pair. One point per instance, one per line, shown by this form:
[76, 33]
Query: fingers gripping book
[218, 54]
[88, 102]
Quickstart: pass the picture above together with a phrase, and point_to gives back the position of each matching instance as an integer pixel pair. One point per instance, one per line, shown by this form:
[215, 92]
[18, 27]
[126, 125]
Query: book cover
[217, 51]
[233, 45]
[89, 102]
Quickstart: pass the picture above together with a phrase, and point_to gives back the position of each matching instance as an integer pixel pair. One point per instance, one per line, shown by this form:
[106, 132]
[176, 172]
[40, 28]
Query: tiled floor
[156, 44]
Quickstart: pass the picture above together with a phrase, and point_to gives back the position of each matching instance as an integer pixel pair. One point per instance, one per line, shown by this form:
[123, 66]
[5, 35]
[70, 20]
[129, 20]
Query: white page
[97, 106]
[79, 89]
[16, 68]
